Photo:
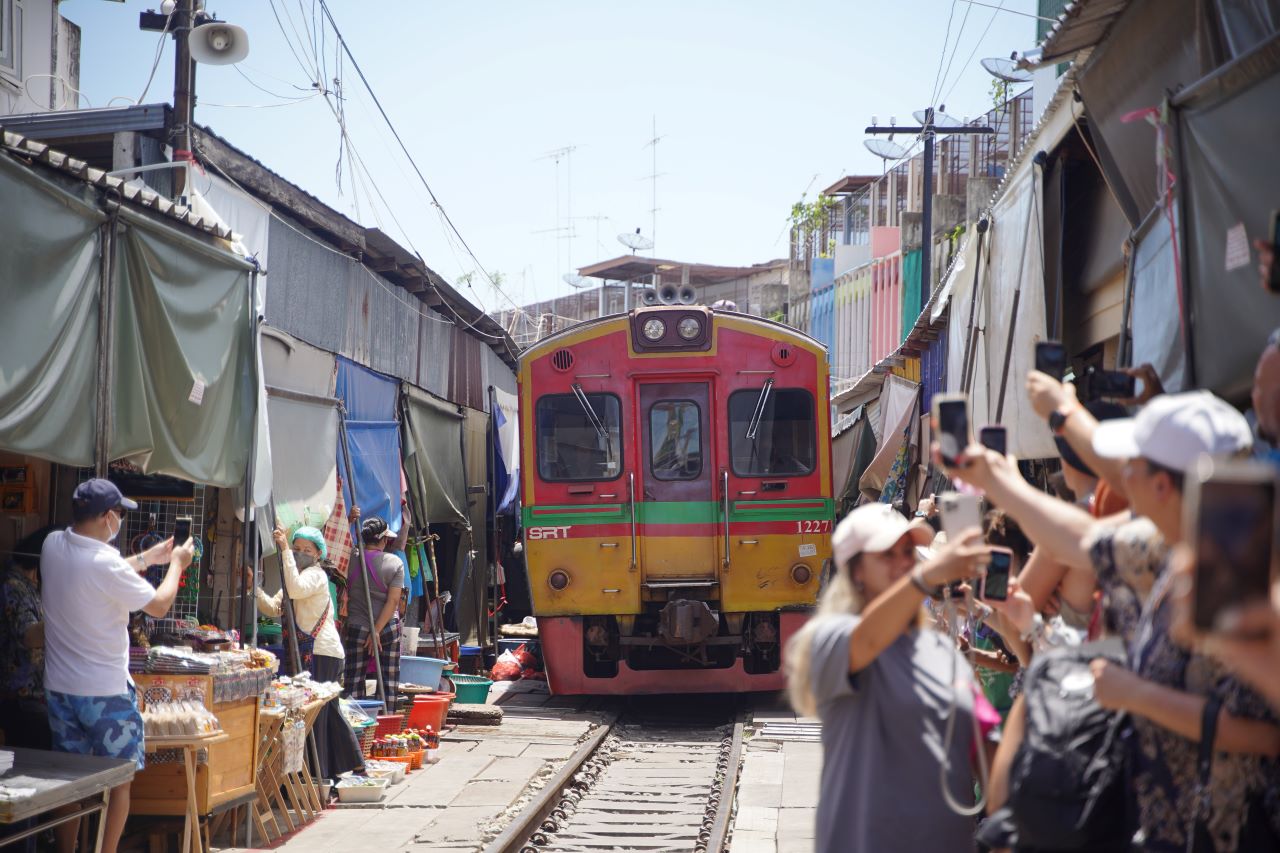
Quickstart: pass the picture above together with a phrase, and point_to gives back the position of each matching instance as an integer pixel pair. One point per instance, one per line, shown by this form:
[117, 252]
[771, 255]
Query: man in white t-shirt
[88, 591]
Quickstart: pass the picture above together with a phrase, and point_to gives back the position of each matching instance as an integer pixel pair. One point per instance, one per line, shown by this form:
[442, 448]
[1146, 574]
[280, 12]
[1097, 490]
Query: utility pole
[185, 15]
[184, 89]
[927, 131]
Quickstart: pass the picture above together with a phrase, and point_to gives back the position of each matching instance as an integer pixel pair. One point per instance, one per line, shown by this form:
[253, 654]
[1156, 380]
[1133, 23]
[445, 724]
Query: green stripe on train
[680, 512]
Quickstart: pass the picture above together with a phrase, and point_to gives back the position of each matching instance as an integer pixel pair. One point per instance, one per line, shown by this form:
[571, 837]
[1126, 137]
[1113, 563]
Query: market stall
[177, 687]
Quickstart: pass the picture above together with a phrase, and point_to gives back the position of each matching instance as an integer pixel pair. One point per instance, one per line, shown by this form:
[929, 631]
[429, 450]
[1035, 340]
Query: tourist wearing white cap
[883, 684]
[1165, 689]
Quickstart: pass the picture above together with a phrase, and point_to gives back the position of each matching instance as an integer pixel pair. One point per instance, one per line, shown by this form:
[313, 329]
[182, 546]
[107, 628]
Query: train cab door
[677, 485]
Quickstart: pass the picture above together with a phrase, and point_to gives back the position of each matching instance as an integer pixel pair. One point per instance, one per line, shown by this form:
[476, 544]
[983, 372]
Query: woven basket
[367, 735]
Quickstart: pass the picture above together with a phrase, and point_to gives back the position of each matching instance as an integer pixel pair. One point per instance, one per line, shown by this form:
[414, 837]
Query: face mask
[303, 561]
[111, 537]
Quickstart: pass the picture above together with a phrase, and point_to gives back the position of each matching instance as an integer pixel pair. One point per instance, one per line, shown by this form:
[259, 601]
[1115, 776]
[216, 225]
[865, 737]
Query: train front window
[675, 440]
[771, 432]
[579, 437]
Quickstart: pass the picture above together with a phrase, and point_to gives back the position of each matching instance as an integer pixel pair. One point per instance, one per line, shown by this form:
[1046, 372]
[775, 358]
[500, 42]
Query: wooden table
[60, 779]
[192, 838]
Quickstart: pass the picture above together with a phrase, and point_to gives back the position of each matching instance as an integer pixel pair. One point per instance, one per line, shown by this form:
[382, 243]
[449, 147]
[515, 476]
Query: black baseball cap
[94, 497]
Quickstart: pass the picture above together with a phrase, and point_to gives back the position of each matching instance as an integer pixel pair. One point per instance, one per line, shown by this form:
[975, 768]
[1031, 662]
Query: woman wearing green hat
[306, 579]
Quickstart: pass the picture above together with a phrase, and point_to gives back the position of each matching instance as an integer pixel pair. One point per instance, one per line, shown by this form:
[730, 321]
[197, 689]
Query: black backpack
[1067, 785]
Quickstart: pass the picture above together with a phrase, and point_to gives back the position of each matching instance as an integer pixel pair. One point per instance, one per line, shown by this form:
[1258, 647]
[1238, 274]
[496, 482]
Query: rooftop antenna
[564, 231]
[636, 242]
[1007, 69]
[653, 212]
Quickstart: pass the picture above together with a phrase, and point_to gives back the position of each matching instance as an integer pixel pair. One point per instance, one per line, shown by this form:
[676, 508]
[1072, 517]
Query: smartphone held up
[1051, 359]
[181, 530]
[951, 426]
[1231, 524]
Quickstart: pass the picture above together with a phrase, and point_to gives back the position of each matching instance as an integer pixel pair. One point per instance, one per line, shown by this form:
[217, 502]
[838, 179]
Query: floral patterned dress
[21, 668]
[1130, 561]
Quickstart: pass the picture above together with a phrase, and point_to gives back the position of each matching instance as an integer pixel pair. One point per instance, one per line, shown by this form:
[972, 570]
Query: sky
[755, 103]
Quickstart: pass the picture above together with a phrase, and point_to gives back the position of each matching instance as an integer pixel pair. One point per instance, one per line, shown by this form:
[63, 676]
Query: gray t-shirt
[391, 574]
[882, 743]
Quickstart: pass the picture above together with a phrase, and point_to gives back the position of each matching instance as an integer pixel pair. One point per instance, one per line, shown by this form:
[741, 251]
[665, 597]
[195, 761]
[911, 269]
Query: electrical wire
[954, 49]
[311, 92]
[312, 73]
[972, 53]
[64, 81]
[324, 7]
[159, 52]
[946, 40]
[289, 103]
[270, 211]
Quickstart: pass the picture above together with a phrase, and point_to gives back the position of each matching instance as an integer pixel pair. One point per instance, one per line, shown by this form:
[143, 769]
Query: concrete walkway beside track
[778, 785]
[483, 778]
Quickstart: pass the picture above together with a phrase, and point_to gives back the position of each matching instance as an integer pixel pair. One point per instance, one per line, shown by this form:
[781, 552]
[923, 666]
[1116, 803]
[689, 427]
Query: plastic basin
[430, 711]
[472, 689]
[370, 792]
[372, 707]
[420, 670]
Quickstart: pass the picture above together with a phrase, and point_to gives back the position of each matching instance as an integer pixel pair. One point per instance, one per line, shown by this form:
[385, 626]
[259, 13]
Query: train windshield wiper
[594, 419]
[758, 415]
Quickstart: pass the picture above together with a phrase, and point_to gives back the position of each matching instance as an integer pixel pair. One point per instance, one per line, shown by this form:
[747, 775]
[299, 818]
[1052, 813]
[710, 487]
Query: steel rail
[517, 834]
[719, 838]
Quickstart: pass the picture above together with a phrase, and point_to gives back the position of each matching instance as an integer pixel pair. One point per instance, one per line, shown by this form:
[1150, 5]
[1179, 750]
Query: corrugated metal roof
[1082, 24]
[132, 194]
[64, 123]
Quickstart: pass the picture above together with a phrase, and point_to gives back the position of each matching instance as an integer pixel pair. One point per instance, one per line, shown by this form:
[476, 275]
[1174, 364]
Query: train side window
[675, 440]
[773, 436]
[577, 443]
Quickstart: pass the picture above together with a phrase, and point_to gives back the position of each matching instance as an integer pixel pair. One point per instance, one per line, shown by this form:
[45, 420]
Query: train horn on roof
[668, 294]
[687, 295]
[649, 298]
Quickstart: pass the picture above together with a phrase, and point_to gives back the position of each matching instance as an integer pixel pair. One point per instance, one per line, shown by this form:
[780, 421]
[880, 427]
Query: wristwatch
[1058, 418]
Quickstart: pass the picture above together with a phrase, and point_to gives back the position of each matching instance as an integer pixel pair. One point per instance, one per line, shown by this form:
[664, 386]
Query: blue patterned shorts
[106, 726]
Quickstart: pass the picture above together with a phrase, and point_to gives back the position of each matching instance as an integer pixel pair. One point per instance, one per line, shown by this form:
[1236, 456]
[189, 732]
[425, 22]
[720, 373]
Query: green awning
[185, 391]
[432, 450]
[50, 277]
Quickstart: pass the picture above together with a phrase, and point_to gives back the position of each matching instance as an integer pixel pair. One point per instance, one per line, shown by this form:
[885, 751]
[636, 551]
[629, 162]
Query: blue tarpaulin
[368, 395]
[374, 437]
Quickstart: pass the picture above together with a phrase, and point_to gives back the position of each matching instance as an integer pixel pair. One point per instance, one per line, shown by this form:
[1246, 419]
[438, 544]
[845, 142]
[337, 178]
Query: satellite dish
[574, 280]
[1006, 70]
[636, 242]
[217, 43]
[940, 119]
[885, 149]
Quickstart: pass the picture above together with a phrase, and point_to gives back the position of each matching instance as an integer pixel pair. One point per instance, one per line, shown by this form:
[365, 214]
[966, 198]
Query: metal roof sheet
[21, 147]
[1082, 24]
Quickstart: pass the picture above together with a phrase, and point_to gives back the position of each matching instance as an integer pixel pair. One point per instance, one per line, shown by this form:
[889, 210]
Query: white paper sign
[197, 392]
[808, 550]
[1237, 247]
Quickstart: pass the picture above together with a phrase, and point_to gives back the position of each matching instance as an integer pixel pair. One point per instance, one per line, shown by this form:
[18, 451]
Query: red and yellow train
[677, 498]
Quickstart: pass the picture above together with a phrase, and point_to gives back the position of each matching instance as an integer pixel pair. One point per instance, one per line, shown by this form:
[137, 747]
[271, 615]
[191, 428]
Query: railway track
[648, 780]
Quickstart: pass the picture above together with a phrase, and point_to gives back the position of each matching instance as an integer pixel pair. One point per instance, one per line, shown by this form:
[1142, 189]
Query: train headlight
[689, 328]
[801, 574]
[654, 329]
[558, 580]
